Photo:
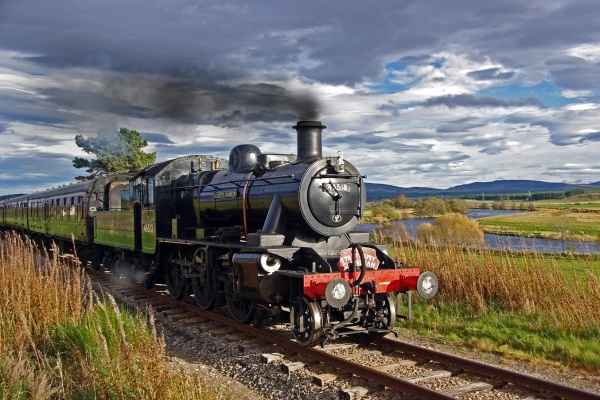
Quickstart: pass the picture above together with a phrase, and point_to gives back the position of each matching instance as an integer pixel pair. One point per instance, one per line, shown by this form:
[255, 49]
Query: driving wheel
[202, 285]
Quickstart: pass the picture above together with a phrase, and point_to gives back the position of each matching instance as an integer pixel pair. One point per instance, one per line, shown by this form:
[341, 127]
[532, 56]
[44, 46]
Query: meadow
[526, 306]
[547, 223]
[60, 340]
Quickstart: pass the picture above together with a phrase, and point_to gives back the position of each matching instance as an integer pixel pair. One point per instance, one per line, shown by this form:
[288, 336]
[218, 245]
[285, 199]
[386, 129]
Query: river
[494, 241]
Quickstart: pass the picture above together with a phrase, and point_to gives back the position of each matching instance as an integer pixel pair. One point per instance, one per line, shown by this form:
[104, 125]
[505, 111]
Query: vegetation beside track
[528, 306]
[58, 340]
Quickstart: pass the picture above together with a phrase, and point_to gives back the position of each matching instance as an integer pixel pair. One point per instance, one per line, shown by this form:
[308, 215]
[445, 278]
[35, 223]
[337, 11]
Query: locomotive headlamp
[338, 293]
[427, 285]
[269, 263]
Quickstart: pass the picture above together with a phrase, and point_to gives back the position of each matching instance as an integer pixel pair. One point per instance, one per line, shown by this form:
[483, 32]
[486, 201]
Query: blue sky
[430, 93]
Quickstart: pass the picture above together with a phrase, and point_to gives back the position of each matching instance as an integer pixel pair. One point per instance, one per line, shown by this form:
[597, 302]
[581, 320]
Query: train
[267, 236]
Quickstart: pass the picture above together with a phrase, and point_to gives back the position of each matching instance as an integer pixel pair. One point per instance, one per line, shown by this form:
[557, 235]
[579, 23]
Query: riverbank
[555, 224]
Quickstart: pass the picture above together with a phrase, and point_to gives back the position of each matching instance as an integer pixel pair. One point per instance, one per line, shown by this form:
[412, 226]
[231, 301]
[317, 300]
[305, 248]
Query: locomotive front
[294, 219]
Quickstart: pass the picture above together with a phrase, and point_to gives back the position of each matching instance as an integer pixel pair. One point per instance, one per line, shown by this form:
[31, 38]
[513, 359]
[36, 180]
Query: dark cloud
[467, 100]
[336, 41]
[490, 74]
[156, 138]
[578, 77]
[269, 135]
[460, 125]
[169, 151]
[37, 111]
[3, 127]
[591, 137]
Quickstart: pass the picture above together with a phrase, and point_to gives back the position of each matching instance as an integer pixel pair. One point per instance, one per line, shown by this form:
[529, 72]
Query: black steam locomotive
[270, 237]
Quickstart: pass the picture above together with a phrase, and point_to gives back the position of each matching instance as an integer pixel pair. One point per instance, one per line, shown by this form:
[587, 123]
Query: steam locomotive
[269, 236]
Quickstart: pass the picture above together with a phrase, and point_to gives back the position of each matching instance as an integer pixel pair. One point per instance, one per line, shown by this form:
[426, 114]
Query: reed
[58, 339]
[530, 283]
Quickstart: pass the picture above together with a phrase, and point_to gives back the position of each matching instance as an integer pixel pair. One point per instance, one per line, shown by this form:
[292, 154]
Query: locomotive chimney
[309, 139]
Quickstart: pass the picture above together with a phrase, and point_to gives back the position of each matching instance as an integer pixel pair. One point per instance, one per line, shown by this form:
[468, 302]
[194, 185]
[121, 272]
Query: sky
[415, 93]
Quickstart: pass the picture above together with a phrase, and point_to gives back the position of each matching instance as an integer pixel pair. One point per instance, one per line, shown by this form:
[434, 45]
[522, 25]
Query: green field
[547, 223]
[569, 205]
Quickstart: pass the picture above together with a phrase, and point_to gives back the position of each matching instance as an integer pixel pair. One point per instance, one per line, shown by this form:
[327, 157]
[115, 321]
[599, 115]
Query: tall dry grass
[529, 283]
[58, 340]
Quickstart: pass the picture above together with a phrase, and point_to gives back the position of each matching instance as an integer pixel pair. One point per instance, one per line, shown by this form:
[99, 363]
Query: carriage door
[137, 225]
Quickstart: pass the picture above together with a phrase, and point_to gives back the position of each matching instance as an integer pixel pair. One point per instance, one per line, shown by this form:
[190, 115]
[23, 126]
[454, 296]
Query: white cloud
[582, 106]
[573, 94]
[589, 51]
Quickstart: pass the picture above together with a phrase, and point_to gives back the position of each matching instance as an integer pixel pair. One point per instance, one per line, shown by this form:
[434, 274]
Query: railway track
[388, 368]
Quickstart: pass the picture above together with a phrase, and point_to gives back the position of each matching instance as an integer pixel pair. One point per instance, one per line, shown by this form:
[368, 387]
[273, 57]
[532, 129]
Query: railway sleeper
[469, 388]
[353, 393]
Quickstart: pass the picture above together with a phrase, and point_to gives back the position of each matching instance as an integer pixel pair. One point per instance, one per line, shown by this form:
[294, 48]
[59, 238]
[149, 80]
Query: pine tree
[123, 153]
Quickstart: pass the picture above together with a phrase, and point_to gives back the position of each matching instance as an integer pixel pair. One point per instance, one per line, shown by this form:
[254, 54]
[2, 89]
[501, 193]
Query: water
[504, 242]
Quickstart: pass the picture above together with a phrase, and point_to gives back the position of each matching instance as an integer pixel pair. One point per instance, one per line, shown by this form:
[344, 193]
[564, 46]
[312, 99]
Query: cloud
[588, 51]
[156, 138]
[490, 74]
[466, 100]
[573, 94]
[457, 98]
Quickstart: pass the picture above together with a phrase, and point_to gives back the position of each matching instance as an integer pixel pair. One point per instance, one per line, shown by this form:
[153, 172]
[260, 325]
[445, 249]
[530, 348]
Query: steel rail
[520, 379]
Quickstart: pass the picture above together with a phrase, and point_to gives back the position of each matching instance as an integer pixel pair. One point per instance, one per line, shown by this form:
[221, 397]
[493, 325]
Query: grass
[509, 334]
[554, 224]
[59, 341]
[530, 306]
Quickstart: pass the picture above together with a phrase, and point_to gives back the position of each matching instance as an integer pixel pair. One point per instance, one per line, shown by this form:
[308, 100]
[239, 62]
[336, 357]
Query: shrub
[430, 207]
[402, 202]
[381, 213]
[457, 206]
[451, 229]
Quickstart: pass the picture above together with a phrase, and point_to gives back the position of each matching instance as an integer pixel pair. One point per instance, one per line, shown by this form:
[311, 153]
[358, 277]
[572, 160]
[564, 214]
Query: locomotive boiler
[272, 237]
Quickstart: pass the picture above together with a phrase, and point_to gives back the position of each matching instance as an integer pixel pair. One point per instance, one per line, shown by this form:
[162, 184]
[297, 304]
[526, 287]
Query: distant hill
[379, 191]
[9, 196]
[511, 186]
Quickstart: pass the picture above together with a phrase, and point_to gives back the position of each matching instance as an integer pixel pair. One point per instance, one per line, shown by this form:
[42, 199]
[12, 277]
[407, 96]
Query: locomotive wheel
[307, 323]
[387, 304]
[204, 294]
[240, 309]
[175, 281]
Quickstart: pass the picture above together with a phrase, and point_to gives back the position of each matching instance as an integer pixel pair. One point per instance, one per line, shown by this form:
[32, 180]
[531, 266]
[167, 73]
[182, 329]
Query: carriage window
[150, 192]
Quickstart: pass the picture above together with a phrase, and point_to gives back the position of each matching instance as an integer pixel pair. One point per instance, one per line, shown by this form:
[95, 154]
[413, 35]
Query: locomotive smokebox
[309, 139]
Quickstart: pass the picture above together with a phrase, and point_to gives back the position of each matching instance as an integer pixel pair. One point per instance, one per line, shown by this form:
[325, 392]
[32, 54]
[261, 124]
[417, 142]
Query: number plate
[346, 258]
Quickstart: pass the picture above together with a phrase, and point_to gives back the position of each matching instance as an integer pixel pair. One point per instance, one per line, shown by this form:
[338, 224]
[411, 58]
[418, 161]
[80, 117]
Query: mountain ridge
[378, 191]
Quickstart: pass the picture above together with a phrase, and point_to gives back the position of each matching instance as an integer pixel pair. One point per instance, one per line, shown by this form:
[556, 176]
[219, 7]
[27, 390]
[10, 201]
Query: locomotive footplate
[382, 281]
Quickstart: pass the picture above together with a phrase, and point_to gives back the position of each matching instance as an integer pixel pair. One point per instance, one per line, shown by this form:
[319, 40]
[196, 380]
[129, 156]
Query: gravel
[239, 361]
